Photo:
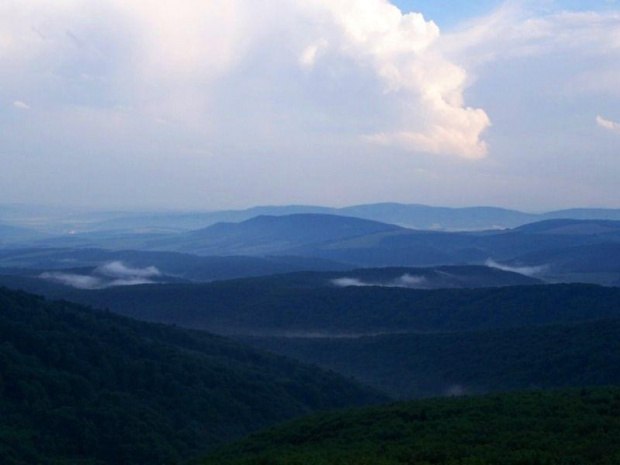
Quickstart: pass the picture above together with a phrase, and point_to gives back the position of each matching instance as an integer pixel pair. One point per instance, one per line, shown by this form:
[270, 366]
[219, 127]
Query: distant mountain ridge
[417, 216]
[324, 242]
[265, 235]
[365, 243]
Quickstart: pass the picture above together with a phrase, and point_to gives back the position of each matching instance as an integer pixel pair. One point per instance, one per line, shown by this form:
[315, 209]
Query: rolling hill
[441, 277]
[272, 235]
[426, 248]
[253, 306]
[440, 218]
[179, 265]
[353, 242]
[437, 364]
[594, 263]
[10, 234]
[360, 243]
[534, 428]
[85, 386]
[416, 216]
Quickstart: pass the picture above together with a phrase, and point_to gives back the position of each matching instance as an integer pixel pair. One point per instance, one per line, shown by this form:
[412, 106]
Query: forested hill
[85, 386]
[580, 427]
[436, 364]
[252, 307]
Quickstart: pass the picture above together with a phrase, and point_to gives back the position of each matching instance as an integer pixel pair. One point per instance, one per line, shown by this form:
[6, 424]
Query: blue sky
[449, 13]
[197, 104]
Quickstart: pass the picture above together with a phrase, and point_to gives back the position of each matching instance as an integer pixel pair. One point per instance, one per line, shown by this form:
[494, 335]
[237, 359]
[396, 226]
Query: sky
[203, 104]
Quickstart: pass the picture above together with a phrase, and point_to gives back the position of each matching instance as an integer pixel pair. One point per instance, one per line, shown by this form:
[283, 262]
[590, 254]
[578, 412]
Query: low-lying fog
[108, 275]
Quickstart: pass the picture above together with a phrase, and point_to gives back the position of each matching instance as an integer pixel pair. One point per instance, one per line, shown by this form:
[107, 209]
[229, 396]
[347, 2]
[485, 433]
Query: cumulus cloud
[191, 61]
[400, 50]
[244, 101]
[108, 275]
[608, 124]
[582, 48]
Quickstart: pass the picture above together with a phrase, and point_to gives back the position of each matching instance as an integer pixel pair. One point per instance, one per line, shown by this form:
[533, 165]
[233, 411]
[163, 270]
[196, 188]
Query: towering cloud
[357, 69]
[213, 103]
[400, 51]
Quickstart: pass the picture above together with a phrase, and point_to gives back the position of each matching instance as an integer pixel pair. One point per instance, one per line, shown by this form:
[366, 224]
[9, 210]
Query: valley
[275, 317]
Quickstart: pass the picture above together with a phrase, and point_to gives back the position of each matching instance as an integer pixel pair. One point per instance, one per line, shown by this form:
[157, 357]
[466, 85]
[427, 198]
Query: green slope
[267, 306]
[536, 428]
[84, 386]
[422, 365]
[251, 307]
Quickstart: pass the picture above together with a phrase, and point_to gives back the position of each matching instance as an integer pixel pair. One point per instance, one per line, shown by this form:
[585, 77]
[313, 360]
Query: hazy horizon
[154, 209]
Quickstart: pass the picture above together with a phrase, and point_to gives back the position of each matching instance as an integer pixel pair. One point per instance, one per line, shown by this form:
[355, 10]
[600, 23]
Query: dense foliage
[253, 307]
[84, 386]
[440, 277]
[535, 428]
[417, 365]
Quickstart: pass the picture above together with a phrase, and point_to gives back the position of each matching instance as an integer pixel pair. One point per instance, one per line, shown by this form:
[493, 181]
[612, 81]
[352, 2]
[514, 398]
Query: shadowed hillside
[535, 428]
[422, 365]
[264, 307]
[84, 386]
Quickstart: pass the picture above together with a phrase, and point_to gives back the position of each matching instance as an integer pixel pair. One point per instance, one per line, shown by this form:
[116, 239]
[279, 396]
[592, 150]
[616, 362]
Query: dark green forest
[436, 364]
[577, 427]
[79, 385]
[85, 386]
[252, 307]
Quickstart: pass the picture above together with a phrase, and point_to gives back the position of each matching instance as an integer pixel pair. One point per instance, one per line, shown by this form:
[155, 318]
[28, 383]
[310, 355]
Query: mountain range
[551, 250]
[62, 221]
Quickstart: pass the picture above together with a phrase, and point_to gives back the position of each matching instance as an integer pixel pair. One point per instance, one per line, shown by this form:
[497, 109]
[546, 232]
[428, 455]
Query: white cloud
[524, 270]
[111, 274]
[608, 124]
[349, 282]
[181, 60]
[405, 281]
[74, 280]
[515, 30]
[120, 270]
[19, 105]
[582, 49]
[400, 49]
[227, 104]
